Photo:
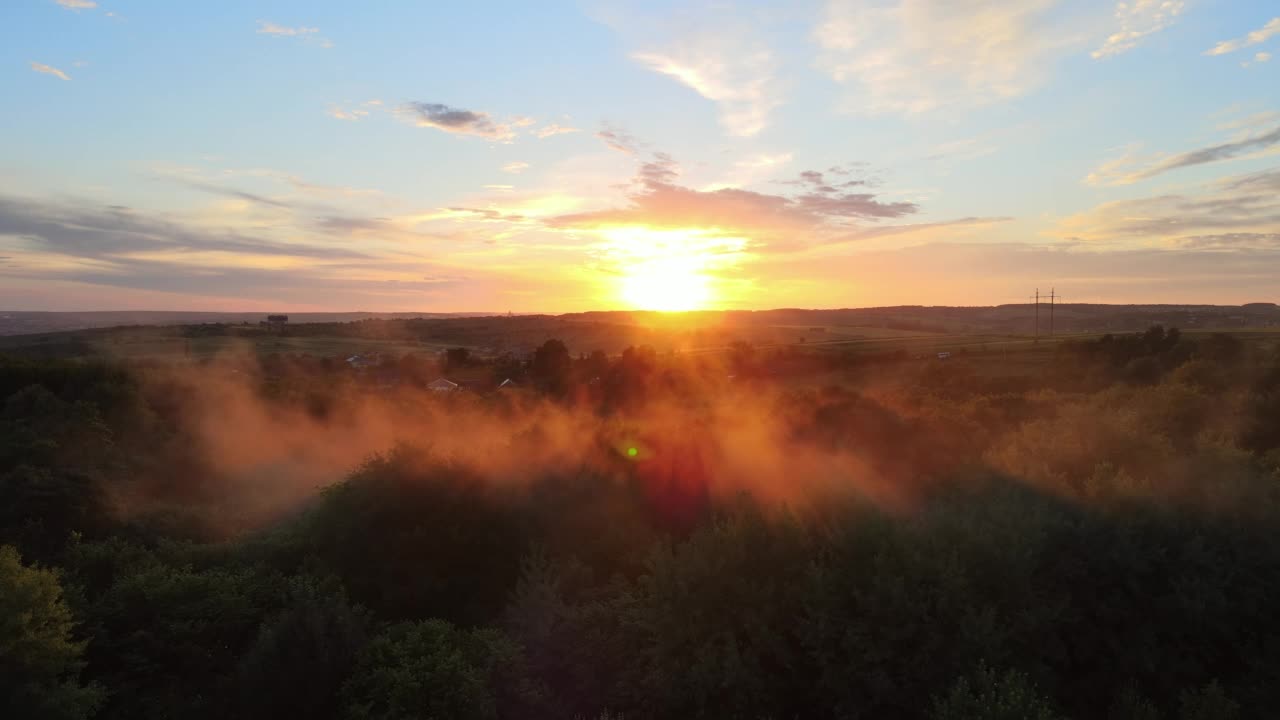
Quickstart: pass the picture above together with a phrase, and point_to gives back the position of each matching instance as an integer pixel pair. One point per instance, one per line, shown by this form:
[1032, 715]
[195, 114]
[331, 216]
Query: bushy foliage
[1094, 539]
[40, 659]
[431, 670]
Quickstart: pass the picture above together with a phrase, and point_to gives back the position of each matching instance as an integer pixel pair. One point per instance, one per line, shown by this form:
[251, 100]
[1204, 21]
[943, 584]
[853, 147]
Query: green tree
[1207, 703]
[302, 655]
[39, 660]
[430, 670]
[993, 696]
[552, 366]
[455, 358]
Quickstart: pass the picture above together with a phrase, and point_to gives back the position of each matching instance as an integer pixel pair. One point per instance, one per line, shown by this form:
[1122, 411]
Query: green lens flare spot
[632, 452]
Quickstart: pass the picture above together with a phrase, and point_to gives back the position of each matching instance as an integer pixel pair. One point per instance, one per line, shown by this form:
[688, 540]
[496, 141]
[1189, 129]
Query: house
[441, 385]
[363, 361]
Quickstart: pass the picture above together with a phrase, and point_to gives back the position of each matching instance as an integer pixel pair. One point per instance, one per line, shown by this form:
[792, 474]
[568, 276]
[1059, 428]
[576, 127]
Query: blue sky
[559, 157]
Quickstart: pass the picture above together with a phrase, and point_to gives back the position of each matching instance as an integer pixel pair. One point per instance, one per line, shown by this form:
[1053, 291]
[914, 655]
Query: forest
[748, 534]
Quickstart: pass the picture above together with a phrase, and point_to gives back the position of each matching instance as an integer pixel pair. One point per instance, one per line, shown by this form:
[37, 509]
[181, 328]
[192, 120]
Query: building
[442, 385]
[359, 362]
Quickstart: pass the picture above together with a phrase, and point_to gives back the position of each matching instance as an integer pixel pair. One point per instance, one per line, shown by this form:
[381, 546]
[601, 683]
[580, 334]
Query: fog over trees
[753, 533]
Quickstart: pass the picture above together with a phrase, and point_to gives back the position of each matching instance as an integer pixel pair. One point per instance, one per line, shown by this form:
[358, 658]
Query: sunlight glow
[669, 270]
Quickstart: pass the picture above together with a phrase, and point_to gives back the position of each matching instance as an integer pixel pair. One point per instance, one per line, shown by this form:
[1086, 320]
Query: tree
[431, 670]
[455, 358]
[993, 696]
[39, 661]
[1207, 703]
[551, 366]
[302, 655]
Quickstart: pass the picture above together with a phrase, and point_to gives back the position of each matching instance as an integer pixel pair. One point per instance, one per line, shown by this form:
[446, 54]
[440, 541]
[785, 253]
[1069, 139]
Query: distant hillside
[26, 322]
[166, 334]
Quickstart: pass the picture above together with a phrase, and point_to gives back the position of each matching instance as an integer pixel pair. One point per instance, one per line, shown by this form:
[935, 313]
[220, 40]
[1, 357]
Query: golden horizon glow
[670, 270]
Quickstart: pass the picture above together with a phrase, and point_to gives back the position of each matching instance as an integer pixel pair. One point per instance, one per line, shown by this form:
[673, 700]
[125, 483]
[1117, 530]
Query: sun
[669, 270]
[669, 284]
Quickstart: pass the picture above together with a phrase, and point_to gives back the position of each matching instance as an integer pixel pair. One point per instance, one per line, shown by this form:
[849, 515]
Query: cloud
[341, 114]
[1131, 168]
[516, 167]
[77, 4]
[196, 182]
[488, 214]
[719, 50]
[269, 28]
[914, 56]
[1241, 206]
[457, 121]
[1138, 20]
[266, 27]
[114, 231]
[1260, 35]
[357, 112]
[779, 221]
[735, 71]
[919, 228]
[619, 140]
[553, 129]
[49, 70]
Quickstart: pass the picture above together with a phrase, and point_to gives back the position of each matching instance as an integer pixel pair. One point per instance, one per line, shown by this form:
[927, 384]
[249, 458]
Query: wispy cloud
[107, 232]
[913, 56]
[77, 4]
[1245, 207]
[49, 70]
[516, 167]
[553, 129]
[459, 121]
[266, 27]
[1131, 167]
[1256, 37]
[734, 70]
[619, 139]
[720, 50]
[1138, 19]
[356, 112]
[341, 114]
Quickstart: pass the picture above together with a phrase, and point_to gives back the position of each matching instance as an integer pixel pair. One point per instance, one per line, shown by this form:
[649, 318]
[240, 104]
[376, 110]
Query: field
[488, 338]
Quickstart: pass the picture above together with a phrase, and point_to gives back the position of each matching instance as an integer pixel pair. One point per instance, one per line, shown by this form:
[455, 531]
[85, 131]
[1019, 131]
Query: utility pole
[1037, 299]
[1052, 295]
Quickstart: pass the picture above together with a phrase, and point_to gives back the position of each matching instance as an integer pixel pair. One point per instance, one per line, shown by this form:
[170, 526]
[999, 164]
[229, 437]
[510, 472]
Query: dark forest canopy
[1089, 529]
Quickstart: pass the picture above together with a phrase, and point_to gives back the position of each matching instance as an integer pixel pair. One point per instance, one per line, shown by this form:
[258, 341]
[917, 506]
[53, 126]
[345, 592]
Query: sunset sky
[557, 157]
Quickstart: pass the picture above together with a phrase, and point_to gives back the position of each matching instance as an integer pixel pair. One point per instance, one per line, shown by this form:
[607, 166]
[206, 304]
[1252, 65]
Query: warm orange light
[669, 270]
